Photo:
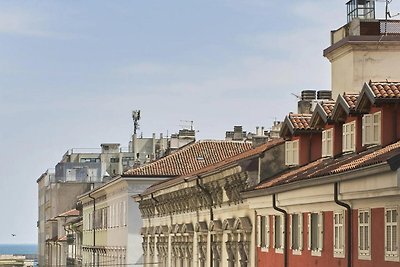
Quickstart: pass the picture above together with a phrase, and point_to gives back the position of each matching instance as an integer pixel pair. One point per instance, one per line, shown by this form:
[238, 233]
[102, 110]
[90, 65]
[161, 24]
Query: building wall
[372, 190]
[353, 64]
[121, 237]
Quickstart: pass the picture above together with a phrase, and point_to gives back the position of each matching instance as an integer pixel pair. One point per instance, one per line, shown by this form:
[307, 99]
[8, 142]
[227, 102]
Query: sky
[71, 72]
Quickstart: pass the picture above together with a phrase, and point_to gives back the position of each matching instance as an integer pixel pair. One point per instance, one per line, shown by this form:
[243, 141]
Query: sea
[18, 249]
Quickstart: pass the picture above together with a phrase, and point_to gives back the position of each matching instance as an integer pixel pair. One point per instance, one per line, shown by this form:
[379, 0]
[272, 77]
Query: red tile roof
[328, 107]
[244, 155]
[70, 213]
[329, 166]
[300, 121]
[385, 89]
[351, 99]
[62, 239]
[191, 158]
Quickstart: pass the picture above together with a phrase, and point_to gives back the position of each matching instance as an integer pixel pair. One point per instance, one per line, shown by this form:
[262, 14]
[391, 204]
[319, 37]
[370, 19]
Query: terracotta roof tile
[300, 121]
[329, 166]
[191, 158]
[247, 154]
[328, 107]
[385, 89]
[351, 99]
[70, 213]
[62, 239]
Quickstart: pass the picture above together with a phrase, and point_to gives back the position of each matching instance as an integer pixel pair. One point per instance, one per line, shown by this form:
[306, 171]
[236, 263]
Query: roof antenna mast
[136, 118]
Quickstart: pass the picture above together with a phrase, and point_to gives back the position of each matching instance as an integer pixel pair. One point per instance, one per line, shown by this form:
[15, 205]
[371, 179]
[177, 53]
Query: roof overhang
[366, 99]
[349, 175]
[341, 110]
[287, 128]
[319, 117]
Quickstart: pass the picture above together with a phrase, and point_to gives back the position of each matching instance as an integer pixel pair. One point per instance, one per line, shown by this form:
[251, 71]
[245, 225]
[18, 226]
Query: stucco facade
[111, 223]
[200, 219]
[361, 51]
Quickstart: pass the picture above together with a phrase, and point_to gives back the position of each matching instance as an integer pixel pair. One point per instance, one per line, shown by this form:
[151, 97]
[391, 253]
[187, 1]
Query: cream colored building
[110, 223]
[363, 50]
[111, 218]
[200, 219]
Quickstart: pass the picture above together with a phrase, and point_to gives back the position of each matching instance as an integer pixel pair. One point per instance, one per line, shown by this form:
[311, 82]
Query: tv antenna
[387, 11]
[136, 118]
[388, 14]
[297, 96]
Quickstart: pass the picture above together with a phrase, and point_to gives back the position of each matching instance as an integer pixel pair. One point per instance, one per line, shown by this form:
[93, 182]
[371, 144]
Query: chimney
[237, 133]
[305, 104]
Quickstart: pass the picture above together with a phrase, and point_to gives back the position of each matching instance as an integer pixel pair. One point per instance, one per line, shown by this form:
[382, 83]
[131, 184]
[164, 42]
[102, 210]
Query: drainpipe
[285, 249]
[208, 194]
[94, 230]
[395, 133]
[309, 148]
[66, 234]
[349, 228]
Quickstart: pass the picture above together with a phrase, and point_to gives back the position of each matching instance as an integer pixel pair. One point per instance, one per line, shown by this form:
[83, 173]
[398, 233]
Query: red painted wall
[388, 126]
[337, 138]
[377, 241]
[310, 147]
[272, 259]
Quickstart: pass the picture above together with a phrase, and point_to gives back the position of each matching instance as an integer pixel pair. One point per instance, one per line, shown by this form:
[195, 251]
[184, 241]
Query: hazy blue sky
[72, 71]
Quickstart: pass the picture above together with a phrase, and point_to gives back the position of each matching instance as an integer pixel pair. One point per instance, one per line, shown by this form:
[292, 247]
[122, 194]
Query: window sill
[264, 249]
[338, 254]
[392, 258]
[296, 251]
[316, 253]
[279, 250]
[364, 257]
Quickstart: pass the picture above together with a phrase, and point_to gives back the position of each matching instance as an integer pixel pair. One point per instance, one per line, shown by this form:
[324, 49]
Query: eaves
[345, 176]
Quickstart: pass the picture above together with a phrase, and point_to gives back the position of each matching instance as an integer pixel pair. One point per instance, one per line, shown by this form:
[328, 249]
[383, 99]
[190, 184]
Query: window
[263, 236]
[371, 132]
[83, 160]
[296, 230]
[278, 233]
[338, 234]
[315, 233]
[327, 144]
[292, 152]
[391, 234]
[364, 235]
[114, 160]
[349, 137]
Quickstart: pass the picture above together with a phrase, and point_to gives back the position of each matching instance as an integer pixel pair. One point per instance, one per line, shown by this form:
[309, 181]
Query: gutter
[322, 180]
[94, 230]
[349, 226]
[285, 247]
[208, 194]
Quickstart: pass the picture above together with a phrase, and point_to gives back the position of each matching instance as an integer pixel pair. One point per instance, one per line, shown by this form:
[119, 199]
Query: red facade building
[338, 203]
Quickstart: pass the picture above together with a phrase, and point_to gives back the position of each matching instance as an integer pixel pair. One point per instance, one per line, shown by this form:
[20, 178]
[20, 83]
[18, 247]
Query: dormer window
[371, 127]
[327, 144]
[292, 153]
[349, 137]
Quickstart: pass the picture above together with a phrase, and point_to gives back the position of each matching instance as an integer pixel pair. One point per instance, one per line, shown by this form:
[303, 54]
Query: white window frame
[392, 253]
[280, 232]
[349, 137]
[299, 236]
[364, 230]
[292, 153]
[371, 129]
[259, 229]
[319, 231]
[327, 143]
[264, 234]
[338, 234]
